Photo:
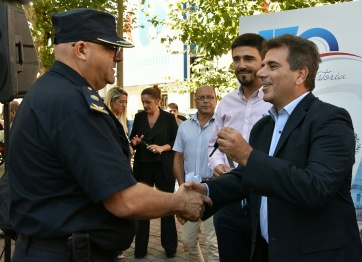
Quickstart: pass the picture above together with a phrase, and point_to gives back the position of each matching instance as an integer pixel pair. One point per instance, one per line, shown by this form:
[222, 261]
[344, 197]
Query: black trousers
[151, 173]
[261, 252]
[234, 233]
[22, 253]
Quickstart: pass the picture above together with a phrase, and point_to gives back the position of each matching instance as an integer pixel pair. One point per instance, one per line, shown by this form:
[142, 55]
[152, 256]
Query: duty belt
[59, 245]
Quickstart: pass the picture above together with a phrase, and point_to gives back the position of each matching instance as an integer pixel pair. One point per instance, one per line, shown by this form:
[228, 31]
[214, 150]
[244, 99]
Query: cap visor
[117, 42]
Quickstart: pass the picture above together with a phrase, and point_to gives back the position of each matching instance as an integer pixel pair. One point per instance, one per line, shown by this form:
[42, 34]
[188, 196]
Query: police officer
[73, 196]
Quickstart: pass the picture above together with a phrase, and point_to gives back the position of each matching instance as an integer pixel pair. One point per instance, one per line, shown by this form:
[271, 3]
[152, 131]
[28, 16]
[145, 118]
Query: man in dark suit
[298, 165]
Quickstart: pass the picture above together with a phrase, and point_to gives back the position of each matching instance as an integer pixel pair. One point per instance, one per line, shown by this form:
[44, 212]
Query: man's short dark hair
[302, 53]
[252, 40]
[173, 106]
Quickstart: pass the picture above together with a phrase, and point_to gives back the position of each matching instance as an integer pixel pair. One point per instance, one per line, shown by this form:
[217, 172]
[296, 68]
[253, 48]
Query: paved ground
[155, 250]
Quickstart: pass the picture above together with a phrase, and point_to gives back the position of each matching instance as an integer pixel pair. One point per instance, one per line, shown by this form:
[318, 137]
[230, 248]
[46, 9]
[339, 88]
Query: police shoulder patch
[94, 100]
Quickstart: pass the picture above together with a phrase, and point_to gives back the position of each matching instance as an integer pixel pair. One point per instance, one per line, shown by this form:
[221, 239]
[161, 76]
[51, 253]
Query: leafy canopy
[207, 26]
[210, 26]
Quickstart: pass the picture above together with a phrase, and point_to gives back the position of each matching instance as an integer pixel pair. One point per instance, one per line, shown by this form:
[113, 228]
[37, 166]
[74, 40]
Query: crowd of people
[73, 194]
[267, 172]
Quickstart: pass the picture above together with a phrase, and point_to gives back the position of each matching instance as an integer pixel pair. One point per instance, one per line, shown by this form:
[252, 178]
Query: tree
[210, 26]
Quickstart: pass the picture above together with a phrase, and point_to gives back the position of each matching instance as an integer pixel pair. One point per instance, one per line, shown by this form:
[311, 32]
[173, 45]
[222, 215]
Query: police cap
[86, 24]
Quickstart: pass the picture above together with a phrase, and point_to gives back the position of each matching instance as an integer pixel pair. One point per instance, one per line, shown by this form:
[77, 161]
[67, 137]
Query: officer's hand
[191, 204]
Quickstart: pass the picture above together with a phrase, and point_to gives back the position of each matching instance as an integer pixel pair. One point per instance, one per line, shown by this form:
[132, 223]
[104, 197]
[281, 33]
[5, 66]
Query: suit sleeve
[224, 190]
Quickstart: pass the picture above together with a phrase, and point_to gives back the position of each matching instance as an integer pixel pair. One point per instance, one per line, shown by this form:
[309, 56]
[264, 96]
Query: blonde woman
[116, 100]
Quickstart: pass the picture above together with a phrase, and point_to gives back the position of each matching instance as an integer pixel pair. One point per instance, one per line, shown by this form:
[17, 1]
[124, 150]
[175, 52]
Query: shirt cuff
[207, 190]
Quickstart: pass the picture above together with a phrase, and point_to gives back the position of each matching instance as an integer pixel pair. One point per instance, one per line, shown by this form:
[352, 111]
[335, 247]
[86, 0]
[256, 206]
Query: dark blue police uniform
[67, 153]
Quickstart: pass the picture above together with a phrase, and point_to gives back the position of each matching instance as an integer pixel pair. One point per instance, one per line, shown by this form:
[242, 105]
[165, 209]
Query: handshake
[191, 197]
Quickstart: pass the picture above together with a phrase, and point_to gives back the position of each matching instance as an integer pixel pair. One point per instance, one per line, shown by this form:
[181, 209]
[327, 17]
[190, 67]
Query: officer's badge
[98, 108]
[93, 99]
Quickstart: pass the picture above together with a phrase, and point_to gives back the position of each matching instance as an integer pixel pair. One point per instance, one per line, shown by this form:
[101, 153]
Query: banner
[149, 62]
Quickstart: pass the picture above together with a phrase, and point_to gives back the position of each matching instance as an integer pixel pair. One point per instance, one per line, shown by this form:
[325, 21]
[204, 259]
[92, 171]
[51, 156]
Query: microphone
[216, 145]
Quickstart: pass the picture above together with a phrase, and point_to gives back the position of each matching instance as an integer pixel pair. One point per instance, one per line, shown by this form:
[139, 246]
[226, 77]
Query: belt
[60, 245]
[206, 179]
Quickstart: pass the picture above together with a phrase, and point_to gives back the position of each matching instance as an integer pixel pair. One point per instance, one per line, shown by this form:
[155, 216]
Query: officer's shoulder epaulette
[94, 100]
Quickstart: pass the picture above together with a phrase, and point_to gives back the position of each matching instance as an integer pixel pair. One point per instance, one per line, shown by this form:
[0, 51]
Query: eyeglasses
[202, 98]
[117, 49]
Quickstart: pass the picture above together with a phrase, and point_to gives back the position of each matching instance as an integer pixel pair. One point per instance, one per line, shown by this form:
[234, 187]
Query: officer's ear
[80, 49]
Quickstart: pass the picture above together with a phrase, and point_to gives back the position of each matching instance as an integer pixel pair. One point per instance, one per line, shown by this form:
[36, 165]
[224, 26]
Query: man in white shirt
[240, 109]
[190, 163]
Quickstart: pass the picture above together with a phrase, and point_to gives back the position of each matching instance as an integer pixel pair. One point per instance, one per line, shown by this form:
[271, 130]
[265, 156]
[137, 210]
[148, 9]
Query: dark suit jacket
[311, 216]
[163, 132]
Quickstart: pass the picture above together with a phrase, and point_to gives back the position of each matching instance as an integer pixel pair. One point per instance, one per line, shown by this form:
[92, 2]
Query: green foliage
[207, 25]
[210, 26]
[223, 80]
[296, 4]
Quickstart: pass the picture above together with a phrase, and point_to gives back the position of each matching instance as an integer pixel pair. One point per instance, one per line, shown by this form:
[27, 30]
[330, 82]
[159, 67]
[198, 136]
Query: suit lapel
[256, 201]
[267, 136]
[295, 118]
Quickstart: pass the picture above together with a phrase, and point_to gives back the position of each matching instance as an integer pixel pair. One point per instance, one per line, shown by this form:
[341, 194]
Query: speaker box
[18, 58]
